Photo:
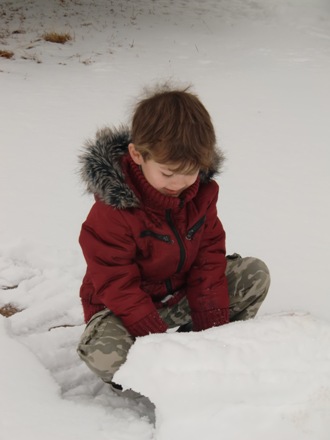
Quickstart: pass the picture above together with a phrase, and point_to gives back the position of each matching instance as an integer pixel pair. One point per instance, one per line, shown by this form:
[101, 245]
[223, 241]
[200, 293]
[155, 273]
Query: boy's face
[161, 177]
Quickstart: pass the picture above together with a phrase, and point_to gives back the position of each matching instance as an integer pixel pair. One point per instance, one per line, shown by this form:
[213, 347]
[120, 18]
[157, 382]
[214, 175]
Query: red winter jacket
[145, 250]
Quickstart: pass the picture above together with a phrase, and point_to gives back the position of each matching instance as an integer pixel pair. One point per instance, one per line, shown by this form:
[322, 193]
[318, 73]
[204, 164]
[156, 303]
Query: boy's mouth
[171, 192]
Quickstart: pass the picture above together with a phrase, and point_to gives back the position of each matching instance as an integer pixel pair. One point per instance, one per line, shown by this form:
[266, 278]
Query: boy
[153, 244]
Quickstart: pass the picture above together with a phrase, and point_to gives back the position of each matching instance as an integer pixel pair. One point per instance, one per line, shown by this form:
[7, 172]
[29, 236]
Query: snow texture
[268, 377]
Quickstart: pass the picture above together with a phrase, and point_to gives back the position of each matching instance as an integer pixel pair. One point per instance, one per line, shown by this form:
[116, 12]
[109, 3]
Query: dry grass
[6, 54]
[55, 37]
[8, 310]
[61, 326]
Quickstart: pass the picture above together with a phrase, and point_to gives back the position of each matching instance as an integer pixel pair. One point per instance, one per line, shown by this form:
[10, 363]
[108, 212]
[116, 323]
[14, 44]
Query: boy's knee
[254, 272]
[263, 270]
[104, 346]
[244, 272]
[260, 275]
[103, 360]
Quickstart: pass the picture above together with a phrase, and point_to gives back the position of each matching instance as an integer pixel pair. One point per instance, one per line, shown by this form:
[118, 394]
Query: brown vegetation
[55, 37]
[8, 310]
[6, 54]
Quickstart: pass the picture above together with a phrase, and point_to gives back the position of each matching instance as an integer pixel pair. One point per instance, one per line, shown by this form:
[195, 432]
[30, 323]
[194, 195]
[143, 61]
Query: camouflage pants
[105, 342]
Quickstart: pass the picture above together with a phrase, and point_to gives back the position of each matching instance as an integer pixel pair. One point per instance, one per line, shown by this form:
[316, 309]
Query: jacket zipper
[169, 287]
[179, 240]
[192, 231]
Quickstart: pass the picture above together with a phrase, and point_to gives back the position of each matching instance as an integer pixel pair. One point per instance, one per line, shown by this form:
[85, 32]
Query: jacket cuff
[209, 318]
[152, 323]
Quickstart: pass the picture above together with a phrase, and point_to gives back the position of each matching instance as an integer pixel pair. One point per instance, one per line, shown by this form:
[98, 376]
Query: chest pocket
[195, 228]
[161, 237]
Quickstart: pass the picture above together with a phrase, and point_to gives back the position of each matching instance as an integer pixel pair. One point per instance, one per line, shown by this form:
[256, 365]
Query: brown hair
[173, 126]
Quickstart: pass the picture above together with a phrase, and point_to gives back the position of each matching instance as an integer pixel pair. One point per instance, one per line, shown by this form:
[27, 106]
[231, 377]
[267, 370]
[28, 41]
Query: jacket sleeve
[207, 283]
[109, 250]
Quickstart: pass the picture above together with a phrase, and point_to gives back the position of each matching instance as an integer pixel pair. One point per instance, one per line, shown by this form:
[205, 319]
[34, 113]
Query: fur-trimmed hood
[102, 173]
[101, 168]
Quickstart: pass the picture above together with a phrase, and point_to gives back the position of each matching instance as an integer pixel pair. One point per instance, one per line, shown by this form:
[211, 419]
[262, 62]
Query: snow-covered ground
[262, 68]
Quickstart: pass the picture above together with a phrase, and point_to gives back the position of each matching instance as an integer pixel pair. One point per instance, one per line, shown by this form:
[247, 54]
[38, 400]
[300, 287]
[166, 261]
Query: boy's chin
[171, 193]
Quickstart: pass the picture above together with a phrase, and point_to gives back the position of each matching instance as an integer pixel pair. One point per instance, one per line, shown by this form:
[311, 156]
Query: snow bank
[31, 405]
[268, 377]
[46, 391]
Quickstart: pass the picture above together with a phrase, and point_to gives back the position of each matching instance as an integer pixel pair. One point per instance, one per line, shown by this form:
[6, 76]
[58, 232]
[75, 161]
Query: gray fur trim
[216, 167]
[101, 169]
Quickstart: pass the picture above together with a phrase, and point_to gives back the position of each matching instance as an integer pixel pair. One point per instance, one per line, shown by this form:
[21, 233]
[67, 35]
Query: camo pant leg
[105, 342]
[248, 283]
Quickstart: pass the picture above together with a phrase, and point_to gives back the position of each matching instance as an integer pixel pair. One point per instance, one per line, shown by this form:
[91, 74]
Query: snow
[262, 69]
[265, 377]
[32, 407]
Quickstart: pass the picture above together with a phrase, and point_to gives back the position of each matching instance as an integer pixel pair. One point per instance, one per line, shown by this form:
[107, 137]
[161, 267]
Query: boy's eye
[167, 175]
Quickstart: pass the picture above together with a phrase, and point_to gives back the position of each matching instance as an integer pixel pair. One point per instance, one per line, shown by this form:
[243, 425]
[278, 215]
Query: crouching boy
[153, 243]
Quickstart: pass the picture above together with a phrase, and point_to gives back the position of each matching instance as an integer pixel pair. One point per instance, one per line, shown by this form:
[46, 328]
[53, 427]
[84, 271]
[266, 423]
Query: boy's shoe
[116, 386]
[137, 397]
[118, 389]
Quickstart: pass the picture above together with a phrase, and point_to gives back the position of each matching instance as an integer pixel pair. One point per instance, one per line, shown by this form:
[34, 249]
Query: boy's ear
[135, 155]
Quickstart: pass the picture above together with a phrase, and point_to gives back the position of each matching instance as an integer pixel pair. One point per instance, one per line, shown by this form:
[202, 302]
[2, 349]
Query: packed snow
[268, 377]
[262, 68]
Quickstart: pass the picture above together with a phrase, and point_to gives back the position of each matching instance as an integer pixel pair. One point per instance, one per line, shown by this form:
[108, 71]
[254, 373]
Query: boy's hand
[209, 318]
[152, 323]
